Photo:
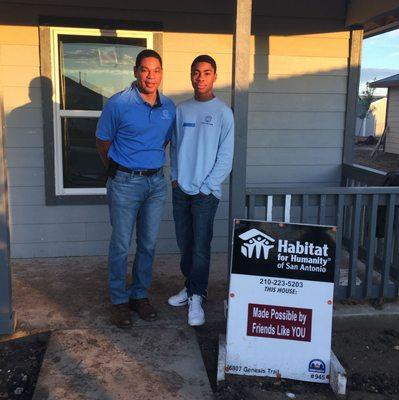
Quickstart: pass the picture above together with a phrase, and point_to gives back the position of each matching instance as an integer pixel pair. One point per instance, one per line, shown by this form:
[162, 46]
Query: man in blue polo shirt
[132, 132]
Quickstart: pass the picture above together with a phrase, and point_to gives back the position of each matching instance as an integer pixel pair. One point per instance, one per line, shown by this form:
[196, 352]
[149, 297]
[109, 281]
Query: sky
[380, 58]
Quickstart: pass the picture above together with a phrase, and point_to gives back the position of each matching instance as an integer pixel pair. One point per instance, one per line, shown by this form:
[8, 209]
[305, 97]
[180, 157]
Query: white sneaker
[196, 315]
[179, 299]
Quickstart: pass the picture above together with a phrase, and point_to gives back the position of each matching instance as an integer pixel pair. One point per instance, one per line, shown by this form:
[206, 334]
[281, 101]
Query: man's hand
[102, 148]
[174, 184]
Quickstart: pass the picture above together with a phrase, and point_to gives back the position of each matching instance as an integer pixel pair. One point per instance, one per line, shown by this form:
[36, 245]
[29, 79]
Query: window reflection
[94, 68]
[91, 69]
[81, 162]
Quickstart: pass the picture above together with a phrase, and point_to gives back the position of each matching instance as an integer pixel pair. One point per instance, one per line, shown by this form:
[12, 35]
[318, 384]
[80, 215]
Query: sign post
[281, 300]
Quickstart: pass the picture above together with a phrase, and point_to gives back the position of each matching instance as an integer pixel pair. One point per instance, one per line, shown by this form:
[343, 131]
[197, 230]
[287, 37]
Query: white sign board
[281, 300]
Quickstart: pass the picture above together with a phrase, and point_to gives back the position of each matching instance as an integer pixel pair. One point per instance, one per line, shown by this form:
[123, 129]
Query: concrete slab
[142, 363]
[351, 314]
[71, 292]
[87, 357]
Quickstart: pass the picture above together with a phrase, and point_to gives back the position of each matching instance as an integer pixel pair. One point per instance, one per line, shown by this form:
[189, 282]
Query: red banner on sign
[278, 322]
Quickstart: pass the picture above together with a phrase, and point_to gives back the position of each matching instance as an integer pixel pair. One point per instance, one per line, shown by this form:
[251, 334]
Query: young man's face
[148, 75]
[203, 77]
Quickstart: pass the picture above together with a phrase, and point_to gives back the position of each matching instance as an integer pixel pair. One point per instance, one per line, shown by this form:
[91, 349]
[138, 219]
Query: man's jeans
[194, 216]
[133, 200]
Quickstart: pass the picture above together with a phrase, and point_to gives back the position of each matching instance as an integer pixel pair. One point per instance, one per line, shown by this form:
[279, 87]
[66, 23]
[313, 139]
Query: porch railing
[359, 175]
[367, 220]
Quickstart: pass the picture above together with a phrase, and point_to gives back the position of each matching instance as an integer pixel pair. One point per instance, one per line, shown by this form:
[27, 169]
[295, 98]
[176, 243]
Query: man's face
[203, 77]
[148, 75]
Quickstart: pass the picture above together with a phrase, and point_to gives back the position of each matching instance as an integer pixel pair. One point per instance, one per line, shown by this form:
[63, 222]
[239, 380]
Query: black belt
[143, 172]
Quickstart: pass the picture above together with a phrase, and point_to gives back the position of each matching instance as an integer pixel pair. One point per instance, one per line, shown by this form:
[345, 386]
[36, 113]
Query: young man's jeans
[194, 216]
[133, 200]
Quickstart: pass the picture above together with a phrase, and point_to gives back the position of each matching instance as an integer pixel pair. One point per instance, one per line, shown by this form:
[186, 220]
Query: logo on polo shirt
[165, 114]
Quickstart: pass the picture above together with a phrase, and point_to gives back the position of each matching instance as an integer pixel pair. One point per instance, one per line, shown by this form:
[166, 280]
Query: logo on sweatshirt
[207, 120]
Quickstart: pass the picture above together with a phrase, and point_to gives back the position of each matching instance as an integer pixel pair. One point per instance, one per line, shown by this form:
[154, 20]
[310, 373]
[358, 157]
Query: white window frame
[58, 113]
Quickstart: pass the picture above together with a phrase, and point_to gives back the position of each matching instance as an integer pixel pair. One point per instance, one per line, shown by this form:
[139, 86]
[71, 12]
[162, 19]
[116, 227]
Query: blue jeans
[133, 200]
[194, 216]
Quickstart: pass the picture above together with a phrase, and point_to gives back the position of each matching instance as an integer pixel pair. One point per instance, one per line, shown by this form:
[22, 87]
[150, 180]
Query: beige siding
[392, 143]
[20, 55]
[21, 35]
[303, 46]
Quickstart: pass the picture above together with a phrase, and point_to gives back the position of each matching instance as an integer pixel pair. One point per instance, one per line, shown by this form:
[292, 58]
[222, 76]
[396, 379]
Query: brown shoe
[143, 307]
[121, 315]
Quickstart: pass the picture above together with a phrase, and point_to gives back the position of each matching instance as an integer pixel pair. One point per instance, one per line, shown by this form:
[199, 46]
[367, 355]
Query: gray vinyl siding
[297, 108]
[392, 143]
[296, 115]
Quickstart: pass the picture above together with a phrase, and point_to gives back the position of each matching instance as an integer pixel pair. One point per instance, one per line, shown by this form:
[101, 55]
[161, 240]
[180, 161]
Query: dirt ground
[383, 161]
[20, 362]
[370, 357]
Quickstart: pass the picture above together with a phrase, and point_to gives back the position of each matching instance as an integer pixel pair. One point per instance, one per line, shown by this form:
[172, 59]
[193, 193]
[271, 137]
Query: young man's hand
[174, 184]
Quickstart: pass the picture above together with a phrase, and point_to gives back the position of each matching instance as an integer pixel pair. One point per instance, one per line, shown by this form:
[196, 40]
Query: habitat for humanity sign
[280, 300]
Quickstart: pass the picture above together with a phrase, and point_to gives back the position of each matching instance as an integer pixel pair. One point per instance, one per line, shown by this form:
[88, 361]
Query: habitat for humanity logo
[256, 244]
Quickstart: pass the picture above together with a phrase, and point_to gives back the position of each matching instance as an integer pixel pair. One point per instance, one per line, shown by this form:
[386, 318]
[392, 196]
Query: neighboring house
[392, 113]
[378, 110]
[374, 122]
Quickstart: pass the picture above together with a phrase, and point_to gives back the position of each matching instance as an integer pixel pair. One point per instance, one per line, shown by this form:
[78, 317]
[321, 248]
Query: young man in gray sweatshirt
[201, 158]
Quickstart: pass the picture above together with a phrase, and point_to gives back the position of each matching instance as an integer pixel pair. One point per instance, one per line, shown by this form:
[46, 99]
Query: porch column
[6, 313]
[356, 41]
[239, 102]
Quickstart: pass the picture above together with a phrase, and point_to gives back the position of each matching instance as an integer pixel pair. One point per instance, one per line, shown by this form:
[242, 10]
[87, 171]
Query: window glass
[93, 68]
[82, 166]
[90, 69]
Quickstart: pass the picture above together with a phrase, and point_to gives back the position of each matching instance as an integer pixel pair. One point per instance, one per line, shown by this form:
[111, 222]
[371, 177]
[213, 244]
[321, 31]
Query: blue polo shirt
[137, 130]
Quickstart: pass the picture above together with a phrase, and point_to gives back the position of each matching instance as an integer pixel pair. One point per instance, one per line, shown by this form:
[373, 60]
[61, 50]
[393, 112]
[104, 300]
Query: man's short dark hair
[204, 58]
[145, 54]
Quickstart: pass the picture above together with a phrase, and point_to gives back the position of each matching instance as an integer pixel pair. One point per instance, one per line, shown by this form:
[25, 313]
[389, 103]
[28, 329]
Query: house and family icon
[256, 244]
